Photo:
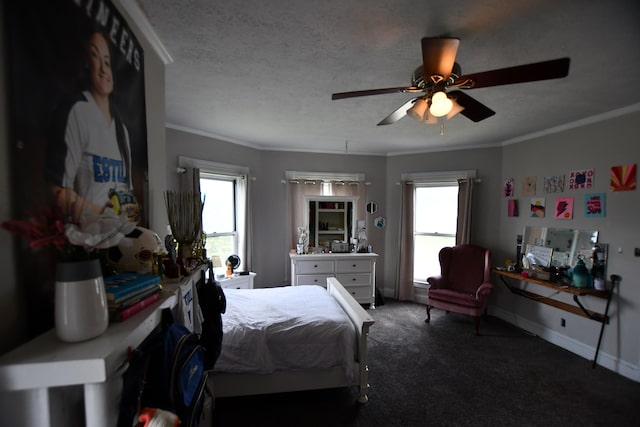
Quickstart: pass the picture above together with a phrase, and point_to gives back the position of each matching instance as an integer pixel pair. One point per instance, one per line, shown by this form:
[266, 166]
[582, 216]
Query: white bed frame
[243, 384]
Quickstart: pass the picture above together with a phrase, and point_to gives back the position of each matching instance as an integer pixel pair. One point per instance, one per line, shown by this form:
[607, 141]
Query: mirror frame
[351, 231]
[582, 241]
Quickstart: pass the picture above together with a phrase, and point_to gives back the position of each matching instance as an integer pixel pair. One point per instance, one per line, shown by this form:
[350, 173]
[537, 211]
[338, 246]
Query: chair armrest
[484, 290]
[436, 281]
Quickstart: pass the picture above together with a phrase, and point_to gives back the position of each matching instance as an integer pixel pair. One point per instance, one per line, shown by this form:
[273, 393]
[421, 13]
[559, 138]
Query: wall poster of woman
[77, 116]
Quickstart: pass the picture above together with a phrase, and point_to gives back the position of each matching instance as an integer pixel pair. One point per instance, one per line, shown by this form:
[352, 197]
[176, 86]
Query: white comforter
[285, 328]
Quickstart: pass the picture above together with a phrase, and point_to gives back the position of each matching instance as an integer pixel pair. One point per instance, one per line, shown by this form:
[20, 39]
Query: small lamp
[216, 262]
[440, 104]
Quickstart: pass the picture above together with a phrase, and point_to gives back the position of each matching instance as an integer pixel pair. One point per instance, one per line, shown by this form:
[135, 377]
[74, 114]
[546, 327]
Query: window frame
[416, 234]
[421, 179]
[205, 175]
[241, 192]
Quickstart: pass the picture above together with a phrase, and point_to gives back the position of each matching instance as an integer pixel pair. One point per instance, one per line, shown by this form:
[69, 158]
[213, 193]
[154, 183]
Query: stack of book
[129, 293]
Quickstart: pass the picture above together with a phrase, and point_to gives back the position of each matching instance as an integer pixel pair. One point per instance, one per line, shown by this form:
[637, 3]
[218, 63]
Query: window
[219, 216]
[435, 222]
[223, 215]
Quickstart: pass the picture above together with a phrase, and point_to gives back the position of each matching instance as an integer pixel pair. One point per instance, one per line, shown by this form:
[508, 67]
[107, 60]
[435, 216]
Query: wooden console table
[577, 309]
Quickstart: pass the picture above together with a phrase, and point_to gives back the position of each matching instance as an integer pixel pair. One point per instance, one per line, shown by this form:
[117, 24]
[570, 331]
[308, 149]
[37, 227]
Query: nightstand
[237, 281]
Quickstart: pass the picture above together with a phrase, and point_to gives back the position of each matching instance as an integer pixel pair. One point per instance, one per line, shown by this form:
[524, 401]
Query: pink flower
[44, 228]
[72, 241]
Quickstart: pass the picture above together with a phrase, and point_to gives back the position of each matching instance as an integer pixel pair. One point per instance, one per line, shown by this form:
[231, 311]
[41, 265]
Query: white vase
[81, 310]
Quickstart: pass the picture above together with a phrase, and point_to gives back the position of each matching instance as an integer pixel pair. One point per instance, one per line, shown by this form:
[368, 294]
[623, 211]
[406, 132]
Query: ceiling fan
[439, 79]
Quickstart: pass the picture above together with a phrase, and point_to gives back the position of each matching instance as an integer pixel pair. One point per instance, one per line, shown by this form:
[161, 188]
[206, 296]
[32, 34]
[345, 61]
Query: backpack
[167, 372]
[212, 304]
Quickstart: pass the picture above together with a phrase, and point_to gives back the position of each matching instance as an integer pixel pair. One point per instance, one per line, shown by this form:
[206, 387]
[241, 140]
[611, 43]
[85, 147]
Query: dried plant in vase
[184, 210]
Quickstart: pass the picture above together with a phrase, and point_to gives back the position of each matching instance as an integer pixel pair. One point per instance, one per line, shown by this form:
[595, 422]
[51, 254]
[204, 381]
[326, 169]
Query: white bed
[290, 339]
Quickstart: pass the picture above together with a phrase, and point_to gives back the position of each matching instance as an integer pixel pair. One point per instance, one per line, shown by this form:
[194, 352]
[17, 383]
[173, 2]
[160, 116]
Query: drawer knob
[354, 265]
[353, 279]
[315, 266]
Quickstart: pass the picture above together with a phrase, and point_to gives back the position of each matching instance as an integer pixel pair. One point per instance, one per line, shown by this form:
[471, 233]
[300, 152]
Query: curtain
[299, 189]
[465, 197]
[244, 227]
[405, 243]
[189, 181]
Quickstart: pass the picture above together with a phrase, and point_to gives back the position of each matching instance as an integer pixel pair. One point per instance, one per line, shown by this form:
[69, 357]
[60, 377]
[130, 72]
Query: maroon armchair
[463, 284]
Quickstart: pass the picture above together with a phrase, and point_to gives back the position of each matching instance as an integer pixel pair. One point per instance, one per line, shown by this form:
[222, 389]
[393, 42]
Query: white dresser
[356, 271]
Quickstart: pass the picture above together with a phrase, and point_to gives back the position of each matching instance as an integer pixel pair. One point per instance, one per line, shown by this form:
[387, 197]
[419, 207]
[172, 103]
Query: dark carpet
[440, 374]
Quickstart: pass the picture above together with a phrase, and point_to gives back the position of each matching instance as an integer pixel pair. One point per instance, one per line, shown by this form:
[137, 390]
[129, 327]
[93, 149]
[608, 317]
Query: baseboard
[421, 299]
[605, 360]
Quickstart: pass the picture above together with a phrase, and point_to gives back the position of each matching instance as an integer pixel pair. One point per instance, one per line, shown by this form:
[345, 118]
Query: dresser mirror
[330, 220]
[567, 244]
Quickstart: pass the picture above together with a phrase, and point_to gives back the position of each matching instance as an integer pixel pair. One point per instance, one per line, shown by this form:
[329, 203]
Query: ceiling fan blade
[403, 89]
[398, 114]
[439, 55]
[553, 69]
[473, 110]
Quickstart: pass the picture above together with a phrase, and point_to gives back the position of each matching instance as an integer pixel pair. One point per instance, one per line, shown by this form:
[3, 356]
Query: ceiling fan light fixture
[455, 109]
[429, 118]
[440, 104]
[418, 110]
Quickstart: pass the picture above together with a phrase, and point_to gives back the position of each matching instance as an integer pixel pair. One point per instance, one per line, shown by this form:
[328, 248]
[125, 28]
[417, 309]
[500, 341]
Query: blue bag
[174, 374]
[184, 358]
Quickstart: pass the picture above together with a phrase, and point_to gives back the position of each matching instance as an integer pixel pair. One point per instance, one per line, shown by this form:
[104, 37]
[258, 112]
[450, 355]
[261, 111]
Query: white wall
[485, 161]
[597, 146]
[269, 194]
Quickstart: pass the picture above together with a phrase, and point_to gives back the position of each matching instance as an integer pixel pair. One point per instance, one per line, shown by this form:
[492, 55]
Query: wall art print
[594, 205]
[563, 208]
[554, 184]
[76, 91]
[623, 177]
[529, 185]
[537, 207]
[507, 188]
[512, 208]
[581, 179]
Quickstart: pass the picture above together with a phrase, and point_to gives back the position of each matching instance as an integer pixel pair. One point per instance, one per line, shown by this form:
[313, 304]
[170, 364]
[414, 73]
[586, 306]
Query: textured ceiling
[261, 73]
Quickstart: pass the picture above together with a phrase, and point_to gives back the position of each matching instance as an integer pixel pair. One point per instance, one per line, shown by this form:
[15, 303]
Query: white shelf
[48, 362]
[35, 368]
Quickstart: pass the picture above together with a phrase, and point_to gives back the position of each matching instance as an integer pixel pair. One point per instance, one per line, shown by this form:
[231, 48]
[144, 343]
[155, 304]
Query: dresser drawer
[314, 266]
[313, 279]
[362, 294]
[354, 279]
[353, 266]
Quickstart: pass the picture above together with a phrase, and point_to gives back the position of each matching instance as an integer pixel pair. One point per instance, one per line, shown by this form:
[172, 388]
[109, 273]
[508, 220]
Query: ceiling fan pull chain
[442, 128]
